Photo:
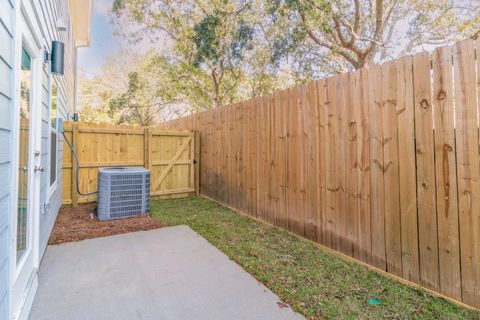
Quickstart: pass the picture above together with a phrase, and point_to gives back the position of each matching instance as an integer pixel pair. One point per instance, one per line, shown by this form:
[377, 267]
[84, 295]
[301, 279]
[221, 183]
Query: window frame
[52, 186]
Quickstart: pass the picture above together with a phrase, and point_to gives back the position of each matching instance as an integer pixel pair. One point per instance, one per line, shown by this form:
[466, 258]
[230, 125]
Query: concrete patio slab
[169, 273]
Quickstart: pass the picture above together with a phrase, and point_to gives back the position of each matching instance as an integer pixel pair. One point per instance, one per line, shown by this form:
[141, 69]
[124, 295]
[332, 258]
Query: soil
[80, 223]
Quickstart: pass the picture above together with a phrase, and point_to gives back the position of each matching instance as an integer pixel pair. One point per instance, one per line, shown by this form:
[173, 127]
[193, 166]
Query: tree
[355, 33]
[208, 46]
[96, 93]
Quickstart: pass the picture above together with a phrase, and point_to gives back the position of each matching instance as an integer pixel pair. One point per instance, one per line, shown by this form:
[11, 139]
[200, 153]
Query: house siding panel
[6, 76]
[4, 141]
[6, 14]
[5, 120]
[47, 12]
[5, 79]
[5, 51]
[5, 178]
[3, 251]
[50, 11]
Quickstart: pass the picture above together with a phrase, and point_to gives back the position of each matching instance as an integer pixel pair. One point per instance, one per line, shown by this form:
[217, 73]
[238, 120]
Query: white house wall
[6, 77]
[47, 13]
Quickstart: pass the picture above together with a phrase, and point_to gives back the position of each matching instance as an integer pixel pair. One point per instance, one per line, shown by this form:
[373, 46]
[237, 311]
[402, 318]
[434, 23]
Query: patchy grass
[315, 283]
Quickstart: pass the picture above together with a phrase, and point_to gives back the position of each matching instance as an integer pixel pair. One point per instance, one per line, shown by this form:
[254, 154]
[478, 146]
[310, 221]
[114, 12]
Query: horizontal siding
[49, 12]
[5, 51]
[55, 202]
[3, 306]
[6, 77]
[3, 215]
[4, 257]
[4, 250]
[48, 215]
[6, 15]
[5, 81]
[5, 117]
[4, 143]
[5, 178]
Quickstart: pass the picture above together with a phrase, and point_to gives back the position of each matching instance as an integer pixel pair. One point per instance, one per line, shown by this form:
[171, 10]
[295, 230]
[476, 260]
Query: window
[23, 161]
[53, 134]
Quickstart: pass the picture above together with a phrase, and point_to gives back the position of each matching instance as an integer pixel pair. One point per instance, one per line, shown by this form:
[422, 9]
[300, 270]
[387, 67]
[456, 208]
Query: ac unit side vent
[123, 192]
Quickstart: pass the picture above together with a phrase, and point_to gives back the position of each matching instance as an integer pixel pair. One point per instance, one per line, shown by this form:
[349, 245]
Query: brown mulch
[80, 223]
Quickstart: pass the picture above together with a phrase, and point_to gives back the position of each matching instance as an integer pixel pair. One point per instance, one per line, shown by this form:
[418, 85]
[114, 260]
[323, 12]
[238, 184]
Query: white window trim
[53, 187]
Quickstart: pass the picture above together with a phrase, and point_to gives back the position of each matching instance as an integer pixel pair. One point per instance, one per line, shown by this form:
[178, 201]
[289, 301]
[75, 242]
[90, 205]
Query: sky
[102, 42]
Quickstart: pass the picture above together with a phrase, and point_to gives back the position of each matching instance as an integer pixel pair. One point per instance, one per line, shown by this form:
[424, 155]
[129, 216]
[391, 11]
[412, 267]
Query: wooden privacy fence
[381, 164]
[168, 154]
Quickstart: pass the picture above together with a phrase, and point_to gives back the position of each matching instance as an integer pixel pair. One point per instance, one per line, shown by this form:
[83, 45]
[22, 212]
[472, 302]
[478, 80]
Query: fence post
[196, 161]
[147, 147]
[74, 167]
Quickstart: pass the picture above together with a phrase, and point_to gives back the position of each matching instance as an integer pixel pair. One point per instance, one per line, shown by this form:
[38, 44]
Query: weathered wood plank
[407, 169]
[468, 172]
[351, 163]
[377, 189]
[427, 214]
[391, 170]
[445, 174]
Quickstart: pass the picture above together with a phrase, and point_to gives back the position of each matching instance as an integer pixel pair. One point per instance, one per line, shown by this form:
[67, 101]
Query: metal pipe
[78, 168]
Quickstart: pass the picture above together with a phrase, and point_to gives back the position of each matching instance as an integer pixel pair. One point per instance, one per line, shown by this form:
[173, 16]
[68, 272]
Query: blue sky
[103, 43]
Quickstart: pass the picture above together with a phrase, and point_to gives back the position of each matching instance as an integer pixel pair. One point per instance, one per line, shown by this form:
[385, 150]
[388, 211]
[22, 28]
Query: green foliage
[208, 44]
[139, 104]
[206, 40]
[357, 33]
[130, 90]
[242, 40]
[215, 52]
[209, 50]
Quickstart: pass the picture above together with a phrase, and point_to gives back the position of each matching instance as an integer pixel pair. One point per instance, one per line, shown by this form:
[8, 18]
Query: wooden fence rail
[381, 164]
[168, 154]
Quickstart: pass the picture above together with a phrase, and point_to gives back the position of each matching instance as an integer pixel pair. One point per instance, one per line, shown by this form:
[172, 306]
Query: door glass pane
[22, 214]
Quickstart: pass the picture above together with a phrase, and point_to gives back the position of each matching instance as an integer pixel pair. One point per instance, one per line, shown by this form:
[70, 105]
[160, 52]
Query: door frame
[26, 34]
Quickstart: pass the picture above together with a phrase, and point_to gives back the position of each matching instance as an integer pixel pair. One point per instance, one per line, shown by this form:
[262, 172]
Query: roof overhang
[81, 17]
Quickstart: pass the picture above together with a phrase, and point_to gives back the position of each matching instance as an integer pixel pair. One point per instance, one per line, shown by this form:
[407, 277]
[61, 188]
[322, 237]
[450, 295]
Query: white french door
[27, 151]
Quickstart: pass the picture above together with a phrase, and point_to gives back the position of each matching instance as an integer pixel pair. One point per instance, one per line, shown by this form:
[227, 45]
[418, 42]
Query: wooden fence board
[320, 160]
[114, 146]
[376, 104]
[393, 240]
[363, 156]
[407, 169]
[331, 144]
[381, 164]
[351, 161]
[341, 81]
[293, 164]
[427, 217]
[310, 127]
[468, 174]
[445, 168]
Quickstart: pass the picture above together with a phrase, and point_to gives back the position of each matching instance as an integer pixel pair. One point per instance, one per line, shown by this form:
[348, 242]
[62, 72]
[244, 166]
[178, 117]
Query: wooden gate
[168, 154]
[170, 158]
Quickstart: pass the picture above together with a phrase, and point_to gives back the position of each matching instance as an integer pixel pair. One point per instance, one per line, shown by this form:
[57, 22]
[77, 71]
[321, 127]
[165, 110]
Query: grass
[315, 283]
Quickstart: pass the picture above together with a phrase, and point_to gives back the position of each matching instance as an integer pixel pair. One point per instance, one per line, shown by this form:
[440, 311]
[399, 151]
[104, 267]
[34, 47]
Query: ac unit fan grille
[123, 192]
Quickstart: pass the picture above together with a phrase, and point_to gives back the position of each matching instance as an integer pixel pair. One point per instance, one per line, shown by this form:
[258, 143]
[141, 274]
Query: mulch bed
[80, 223]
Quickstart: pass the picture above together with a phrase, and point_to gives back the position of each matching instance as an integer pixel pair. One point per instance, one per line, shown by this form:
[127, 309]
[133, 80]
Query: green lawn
[316, 284]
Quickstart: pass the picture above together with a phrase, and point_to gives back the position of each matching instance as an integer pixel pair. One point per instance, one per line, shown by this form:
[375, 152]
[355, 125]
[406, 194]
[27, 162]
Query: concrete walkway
[169, 273]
